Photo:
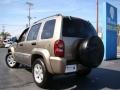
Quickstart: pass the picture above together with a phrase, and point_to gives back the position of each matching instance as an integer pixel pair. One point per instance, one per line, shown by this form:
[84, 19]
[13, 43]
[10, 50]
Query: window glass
[74, 27]
[33, 33]
[23, 35]
[48, 29]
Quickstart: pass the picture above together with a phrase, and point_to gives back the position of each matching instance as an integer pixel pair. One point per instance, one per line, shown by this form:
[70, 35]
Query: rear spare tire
[90, 52]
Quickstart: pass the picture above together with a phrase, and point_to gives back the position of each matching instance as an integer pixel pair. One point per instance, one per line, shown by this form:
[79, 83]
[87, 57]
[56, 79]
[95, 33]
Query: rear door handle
[33, 43]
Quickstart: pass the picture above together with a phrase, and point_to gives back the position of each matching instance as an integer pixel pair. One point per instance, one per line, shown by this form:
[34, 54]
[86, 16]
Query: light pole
[3, 28]
[97, 16]
[29, 14]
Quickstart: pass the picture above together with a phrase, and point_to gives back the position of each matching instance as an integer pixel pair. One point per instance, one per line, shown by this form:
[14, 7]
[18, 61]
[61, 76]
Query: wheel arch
[34, 57]
[11, 50]
[44, 54]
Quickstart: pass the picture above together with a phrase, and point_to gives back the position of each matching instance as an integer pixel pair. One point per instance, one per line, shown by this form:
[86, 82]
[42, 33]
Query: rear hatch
[75, 30]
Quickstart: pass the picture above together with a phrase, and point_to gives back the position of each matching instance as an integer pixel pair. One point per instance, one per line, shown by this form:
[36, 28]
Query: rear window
[48, 29]
[74, 27]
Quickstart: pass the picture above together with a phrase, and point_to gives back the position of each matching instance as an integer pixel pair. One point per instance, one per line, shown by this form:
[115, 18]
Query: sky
[13, 13]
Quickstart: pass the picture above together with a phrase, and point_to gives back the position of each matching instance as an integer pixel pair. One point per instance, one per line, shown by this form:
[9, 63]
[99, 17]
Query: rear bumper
[58, 65]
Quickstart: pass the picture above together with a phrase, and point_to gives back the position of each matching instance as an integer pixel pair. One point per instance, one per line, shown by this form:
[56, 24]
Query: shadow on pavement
[98, 79]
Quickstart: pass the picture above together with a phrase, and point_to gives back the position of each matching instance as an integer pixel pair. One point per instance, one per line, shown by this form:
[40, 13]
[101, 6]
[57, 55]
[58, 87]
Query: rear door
[47, 34]
[31, 42]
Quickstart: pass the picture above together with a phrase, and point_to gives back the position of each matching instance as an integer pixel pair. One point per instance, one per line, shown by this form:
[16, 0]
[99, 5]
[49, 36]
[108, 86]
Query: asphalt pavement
[105, 77]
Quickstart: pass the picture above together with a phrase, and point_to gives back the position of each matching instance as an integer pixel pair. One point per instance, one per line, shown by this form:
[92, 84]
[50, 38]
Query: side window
[33, 33]
[48, 29]
[23, 35]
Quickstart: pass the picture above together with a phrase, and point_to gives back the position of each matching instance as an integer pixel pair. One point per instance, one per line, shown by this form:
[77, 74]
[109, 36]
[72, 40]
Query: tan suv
[57, 45]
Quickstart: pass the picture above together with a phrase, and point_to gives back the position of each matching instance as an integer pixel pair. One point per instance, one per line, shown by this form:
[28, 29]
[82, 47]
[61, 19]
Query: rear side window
[74, 27]
[33, 33]
[48, 29]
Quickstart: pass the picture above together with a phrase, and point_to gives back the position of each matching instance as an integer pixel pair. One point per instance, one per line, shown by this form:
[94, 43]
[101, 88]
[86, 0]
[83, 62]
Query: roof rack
[48, 17]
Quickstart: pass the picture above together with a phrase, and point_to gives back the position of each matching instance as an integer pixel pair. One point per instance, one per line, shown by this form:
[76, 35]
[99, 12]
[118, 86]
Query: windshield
[74, 27]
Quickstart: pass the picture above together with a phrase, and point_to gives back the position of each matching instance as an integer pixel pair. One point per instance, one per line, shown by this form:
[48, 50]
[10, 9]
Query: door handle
[21, 44]
[33, 43]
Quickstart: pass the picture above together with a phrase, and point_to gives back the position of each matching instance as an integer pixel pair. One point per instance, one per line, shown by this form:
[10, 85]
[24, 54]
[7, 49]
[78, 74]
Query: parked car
[7, 43]
[57, 45]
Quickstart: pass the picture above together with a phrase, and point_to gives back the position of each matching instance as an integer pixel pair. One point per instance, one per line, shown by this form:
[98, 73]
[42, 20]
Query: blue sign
[111, 17]
[110, 31]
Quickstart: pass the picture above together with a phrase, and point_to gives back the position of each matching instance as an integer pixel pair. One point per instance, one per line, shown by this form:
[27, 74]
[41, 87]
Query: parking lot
[107, 76]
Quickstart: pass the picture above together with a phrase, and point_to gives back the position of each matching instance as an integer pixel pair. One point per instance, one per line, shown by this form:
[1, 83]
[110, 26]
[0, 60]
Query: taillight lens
[59, 48]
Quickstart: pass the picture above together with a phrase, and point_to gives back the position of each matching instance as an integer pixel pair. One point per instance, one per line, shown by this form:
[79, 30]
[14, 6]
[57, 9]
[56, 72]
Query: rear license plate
[70, 68]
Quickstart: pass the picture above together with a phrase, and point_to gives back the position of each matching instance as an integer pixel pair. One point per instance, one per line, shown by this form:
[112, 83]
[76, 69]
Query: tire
[10, 62]
[40, 74]
[90, 52]
[84, 72]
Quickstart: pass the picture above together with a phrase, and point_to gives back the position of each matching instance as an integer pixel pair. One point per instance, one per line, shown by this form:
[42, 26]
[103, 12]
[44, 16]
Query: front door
[20, 47]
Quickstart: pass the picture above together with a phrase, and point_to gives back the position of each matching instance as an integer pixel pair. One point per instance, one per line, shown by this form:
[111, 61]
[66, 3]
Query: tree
[118, 28]
[5, 34]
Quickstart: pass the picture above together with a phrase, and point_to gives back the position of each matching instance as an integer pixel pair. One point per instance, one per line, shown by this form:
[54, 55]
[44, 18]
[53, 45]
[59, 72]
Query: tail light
[59, 48]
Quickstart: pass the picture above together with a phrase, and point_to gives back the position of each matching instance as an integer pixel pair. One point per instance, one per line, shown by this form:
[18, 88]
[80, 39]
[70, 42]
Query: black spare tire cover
[90, 52]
